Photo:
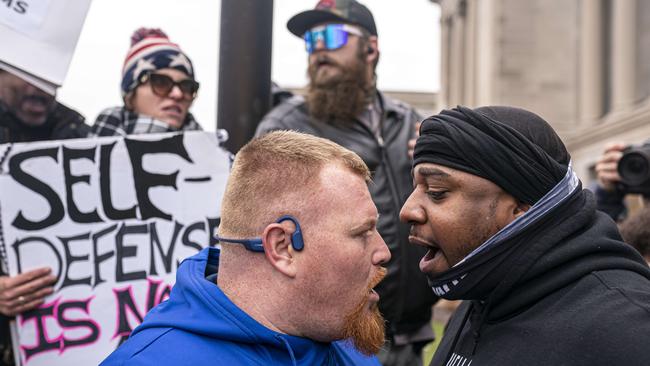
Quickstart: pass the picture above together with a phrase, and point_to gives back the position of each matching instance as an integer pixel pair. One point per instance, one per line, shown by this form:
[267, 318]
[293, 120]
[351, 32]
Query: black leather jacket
[406, 298]
[62, 123]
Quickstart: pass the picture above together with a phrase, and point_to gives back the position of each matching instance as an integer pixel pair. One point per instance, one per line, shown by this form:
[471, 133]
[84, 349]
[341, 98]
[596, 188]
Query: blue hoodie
[199, 325]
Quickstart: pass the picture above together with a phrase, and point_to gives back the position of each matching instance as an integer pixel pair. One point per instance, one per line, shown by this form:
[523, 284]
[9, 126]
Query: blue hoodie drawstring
[286, 344]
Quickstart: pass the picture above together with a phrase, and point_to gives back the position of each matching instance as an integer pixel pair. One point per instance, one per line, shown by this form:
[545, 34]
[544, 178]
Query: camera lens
[634, 168]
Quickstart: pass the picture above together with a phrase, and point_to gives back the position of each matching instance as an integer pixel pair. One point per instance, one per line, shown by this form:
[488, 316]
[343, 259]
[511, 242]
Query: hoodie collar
[204, 309]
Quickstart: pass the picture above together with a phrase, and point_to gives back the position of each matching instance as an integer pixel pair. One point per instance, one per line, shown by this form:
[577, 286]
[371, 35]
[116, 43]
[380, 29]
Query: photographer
[610, 192]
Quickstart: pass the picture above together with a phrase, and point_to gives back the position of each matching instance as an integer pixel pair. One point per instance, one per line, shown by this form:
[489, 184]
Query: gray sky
[409, 41]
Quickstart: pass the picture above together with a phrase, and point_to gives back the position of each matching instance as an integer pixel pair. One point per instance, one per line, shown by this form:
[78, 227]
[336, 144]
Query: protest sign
[113, 217]
[39, 37]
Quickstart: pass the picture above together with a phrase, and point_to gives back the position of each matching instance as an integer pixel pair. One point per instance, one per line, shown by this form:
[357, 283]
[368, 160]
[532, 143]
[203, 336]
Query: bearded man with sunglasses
[158, 89]
[342, 104]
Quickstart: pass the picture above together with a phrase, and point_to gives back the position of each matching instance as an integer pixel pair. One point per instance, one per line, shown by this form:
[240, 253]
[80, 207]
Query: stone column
[623, 66]
[592, 69]
[457, 61]
[445, 29]
[485, 50]
[469, 65]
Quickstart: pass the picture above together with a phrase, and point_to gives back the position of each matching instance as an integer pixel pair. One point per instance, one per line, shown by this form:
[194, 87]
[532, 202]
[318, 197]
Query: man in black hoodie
[545, 278]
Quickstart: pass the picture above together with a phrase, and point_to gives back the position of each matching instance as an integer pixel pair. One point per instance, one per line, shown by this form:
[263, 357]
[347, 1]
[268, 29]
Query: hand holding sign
[25, 291]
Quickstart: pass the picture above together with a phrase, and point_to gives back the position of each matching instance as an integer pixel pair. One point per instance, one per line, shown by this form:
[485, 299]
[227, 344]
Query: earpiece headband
[255, 244]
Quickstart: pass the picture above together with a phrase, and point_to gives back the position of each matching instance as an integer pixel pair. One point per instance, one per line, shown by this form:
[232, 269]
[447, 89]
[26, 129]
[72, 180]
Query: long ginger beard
[339, 98]
[365, 327]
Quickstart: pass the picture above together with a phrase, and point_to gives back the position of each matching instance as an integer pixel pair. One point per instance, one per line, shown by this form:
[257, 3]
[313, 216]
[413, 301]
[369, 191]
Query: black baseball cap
[327, 11]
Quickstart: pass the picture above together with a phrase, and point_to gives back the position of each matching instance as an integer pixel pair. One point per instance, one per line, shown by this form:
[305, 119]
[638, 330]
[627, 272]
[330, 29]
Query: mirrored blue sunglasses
[332, 36]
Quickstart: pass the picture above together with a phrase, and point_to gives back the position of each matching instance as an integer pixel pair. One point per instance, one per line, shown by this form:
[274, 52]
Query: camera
[634, 169]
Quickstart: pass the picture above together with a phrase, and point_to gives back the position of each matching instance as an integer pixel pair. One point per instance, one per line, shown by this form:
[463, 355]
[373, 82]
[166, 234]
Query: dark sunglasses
[162, 85]
[332, 36]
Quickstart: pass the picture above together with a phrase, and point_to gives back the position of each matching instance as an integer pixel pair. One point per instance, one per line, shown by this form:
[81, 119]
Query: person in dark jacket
[293, 281]
[545, 277]
[28, 114]
[158, 88]
[342, 104]
[635, 230]
[609, 194]
[278, 94]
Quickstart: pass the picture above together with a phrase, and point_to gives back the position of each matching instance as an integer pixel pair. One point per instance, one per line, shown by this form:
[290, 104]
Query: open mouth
[35, 105]
[416, 240]
[173, 110]
[373, 295]
[431, 253]
[427, 262]
[323, 63]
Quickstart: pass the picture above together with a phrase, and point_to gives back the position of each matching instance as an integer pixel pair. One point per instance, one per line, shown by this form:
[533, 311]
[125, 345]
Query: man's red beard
[338, 98]
[365, 327]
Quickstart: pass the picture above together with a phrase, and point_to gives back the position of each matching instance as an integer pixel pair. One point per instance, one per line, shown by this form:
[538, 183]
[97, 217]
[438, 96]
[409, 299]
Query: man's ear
[520, 209]
[372, 49]
[276, 240]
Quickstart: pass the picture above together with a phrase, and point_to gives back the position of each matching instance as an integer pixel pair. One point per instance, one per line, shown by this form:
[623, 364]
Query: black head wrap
[511, 147]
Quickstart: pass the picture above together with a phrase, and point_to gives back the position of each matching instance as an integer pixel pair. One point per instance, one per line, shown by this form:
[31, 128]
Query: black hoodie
[571, 294]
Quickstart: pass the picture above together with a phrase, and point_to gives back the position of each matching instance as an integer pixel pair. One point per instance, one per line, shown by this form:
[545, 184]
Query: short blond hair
[273, 174]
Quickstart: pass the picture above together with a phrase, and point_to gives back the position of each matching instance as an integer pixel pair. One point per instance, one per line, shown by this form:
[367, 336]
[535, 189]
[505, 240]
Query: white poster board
[113, 218]
[38, 37]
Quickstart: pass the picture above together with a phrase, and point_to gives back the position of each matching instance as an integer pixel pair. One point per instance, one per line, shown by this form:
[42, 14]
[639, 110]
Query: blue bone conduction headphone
[255, 244]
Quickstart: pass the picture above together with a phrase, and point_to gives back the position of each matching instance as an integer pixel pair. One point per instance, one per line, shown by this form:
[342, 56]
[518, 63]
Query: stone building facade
[583, 65]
